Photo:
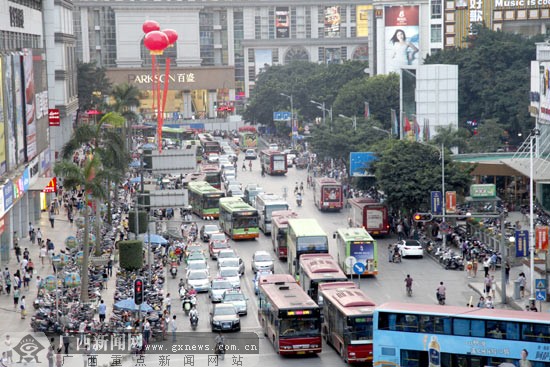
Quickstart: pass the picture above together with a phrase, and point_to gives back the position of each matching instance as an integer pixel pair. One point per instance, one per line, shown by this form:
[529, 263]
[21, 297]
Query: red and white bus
[316, 269]
[348, 323]
[209, 144]
[289, 317]
[212, 174]
[279, 230]
[338, 285]
[327, 194]
[371, 215]
[273, 162]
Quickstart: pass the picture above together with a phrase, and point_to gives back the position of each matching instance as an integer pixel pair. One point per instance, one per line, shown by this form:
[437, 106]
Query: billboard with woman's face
[401, 37]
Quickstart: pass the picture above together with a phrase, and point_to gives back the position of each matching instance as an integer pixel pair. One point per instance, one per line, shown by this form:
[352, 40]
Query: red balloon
[149, 26]
[156, 42]
[172, 36]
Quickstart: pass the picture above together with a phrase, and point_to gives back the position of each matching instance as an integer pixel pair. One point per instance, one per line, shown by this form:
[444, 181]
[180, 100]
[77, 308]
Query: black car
[224, 317]
[206, 230]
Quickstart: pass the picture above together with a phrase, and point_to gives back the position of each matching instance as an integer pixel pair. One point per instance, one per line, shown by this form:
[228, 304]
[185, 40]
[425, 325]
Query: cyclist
[409, 284]
[441, 293]
[220, 344]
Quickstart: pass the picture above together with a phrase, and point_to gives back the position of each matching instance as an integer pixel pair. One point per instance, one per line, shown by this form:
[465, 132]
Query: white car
[238, 299]
[262, 261]
[410, 248]
[250, 154]
[273, 147]
[231, 262]
[198, 279]
[196, 265]
[232, 275]
[213, 158]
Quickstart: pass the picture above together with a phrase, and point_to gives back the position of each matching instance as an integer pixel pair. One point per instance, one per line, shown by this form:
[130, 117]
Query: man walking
[102, 311]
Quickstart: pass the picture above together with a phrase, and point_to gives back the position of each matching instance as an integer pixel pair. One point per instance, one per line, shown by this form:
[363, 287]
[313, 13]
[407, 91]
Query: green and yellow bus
[238, 219]
[205, 199]
[359, 244]
[305, 236]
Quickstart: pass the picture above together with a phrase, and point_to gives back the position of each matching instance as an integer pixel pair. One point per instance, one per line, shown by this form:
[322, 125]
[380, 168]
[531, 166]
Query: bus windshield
[361, 327]
[245, 222]
[210, 202]
[299, 327]
[312, 243]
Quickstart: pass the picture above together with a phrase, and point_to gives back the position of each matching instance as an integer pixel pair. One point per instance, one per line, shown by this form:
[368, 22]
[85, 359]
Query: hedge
[130, 255]
[142, 218]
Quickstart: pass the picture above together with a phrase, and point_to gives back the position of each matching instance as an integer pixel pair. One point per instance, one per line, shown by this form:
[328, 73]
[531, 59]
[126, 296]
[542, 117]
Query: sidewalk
[57, 235]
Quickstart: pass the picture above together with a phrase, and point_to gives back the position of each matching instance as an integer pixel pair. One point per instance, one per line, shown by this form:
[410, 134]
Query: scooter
[299, 201]
[440, 298]
[194, 320]
[174, 269]
[396, 257]
[220, 349]
[188, 303]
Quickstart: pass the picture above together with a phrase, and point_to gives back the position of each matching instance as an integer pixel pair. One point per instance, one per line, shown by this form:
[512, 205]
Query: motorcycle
[396, 257]
[454, 263]
[220, 349]
[174, 269]
[188, 303]
[440, 298]
[194, 320]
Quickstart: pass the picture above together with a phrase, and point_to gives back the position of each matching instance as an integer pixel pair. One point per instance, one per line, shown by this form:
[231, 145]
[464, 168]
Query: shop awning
[44, 184]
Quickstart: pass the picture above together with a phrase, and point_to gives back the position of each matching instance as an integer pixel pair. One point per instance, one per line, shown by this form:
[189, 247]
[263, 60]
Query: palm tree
[92, 178]
[126, 99]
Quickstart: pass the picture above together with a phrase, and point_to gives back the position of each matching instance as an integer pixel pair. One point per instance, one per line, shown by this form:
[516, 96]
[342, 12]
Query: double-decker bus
[266, 204]
[204, 199]
[238, 219]
[188, 144]
[371, 215]
[273, 162]
[414, 335]
[212, 173]
[305, 236]
[316, 269]
[209, 144]
[279, 231]
[357, 242]
[327, 194]
[289, 317]
[348, 323]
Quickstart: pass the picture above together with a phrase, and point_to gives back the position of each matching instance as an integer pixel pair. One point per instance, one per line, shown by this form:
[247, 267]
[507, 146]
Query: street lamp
[352, 119]
[382, 130]
[291, 113]
[534, 136]
[321, 106]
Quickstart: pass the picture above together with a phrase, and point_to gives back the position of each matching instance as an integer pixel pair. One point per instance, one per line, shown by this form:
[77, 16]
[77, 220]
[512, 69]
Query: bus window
[512, 330]
[495, 330]
[461, 327]
[442, 325]
[478, 328]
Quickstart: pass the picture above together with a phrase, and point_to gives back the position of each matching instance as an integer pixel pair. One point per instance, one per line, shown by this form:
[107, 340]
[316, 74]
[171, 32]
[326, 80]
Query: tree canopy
[93, 86]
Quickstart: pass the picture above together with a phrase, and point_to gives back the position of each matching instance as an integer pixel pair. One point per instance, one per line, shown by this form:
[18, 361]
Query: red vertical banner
[450, 201]
[541, 238]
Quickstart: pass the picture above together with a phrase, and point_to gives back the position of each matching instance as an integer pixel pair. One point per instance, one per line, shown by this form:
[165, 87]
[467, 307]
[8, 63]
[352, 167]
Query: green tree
[451, 138]
[408, 171]
[125, 100]
[490, 137]
[91, 178]
[493, 78]
[93, 85]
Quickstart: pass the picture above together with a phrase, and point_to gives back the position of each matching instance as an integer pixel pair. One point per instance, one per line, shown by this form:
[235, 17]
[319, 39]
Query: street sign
[483, 191]
[350, 261]
[450, 201]
[522, 243]
[541, 238]
[281, 116]
[359, 268]
[540, 295]
[436, 202]
[540, 283]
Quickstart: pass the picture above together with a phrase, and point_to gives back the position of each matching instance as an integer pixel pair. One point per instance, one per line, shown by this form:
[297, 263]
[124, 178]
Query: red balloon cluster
[156, 40]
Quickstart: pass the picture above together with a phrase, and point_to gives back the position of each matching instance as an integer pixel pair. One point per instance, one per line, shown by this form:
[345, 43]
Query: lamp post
[321, 106]
[534, 136]
[352, 119]
[382, 130]
[291, 114]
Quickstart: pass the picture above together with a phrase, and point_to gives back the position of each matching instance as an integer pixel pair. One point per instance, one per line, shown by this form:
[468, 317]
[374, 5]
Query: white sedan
[410, 248]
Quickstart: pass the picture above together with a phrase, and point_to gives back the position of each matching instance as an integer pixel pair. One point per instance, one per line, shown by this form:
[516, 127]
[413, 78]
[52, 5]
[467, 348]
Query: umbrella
[72, 280]
[149, 146]
[155, 239]
[135, 180]
[130, 305]
[135, 164]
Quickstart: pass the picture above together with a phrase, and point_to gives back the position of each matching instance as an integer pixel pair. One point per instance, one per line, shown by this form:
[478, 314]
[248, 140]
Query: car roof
[261, 252]
[224, 305]
[234, 291]
[412, 242]
[228, 250]
[199, 271]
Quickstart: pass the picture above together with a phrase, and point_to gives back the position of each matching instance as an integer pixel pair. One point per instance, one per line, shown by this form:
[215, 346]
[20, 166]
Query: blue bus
[415, 335]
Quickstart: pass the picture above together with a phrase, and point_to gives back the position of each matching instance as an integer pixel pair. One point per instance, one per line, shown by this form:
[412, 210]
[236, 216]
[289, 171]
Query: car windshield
[224, 311]
[197, 265]
[263, 257]
[230, 263]
[234, 297]
[229, 272]
[221, 284]
[211, 228]
[219, 245]
[196, 256]
[412, 243]
[227, 254]
[194, 249]
[217, 237]
[196, 275]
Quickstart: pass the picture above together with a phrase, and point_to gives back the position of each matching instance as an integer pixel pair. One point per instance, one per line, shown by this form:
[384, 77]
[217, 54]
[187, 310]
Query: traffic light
[138, 291]
[422, 217]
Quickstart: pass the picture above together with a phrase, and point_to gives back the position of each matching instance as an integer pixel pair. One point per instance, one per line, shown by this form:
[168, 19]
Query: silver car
[231, 262]
[217, 288]
[198, 279]
[262, 261]
[232, 275]
[238, 299]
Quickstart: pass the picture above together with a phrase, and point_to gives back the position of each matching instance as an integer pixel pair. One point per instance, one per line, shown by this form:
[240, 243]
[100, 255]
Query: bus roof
[203, 187]
[361, 202]
[469, 312]
[269, 198]
[336, 285]
[351, 301]
[321, 266]
[354, 234]
[271, 152]
[286, 294]
[209, 167]
[277, 278]
[306, 227]
[284, 214]
[235, 204]
[327, 181]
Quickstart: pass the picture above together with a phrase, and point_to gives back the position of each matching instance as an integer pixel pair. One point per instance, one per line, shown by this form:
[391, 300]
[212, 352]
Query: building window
[257, 27]
[275, 55]
[308, 22]
[436, 33]
[436, 9]
[293, 21]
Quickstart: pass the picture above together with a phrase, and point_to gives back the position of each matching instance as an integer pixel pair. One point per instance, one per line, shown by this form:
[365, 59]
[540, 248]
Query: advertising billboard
[9, 129]
[30, 105]
[19, 110]
[360, 164]
[282, 22]
[3, 167]
[544, 90]
[362, 20]
[332, 21]
[262, 60]
[401, 37]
